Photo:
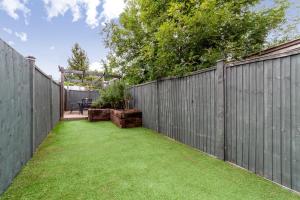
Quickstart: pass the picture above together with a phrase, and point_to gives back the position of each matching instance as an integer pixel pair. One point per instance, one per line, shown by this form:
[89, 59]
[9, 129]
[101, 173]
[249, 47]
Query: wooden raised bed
[98, 115]
[126, 118]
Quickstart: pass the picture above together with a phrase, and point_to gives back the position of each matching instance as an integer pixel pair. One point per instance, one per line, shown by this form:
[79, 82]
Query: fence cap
[31, 59]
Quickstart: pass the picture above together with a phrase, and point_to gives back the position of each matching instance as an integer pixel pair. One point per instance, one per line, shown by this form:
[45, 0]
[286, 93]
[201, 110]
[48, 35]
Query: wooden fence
[29, 109]
[247, 113]
[72, 97]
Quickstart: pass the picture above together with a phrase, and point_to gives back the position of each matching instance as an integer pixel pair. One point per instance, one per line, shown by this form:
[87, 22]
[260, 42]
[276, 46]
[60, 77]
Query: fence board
[234, 114]
[245, 103]
[268, 123]
[276, 121]
[239, 150]
[252, 122]
[259, 167]
[286, 122]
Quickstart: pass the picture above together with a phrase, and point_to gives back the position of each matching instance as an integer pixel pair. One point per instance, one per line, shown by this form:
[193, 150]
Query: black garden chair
[85, 104]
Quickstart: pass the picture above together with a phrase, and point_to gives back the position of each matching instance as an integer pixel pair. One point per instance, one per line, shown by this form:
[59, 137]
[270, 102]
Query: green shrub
[114, 96]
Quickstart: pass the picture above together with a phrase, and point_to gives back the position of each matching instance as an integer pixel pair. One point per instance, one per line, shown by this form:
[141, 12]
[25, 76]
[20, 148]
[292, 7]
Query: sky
[47, 29]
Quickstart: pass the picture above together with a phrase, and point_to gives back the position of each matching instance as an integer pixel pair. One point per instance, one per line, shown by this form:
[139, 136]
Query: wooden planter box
[126, 118]
[98, 115]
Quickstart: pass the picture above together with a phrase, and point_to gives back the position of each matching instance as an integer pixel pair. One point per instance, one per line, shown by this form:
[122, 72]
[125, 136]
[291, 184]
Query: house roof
[278, 49]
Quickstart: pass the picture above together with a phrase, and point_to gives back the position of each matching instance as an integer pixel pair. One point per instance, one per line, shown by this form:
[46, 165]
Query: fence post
[51, 103]
[220, 132]
[62, 93]
[31, 61]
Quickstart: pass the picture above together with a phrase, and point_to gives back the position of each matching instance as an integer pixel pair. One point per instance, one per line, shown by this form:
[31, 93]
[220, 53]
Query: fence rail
[29, 109]
[247, 113]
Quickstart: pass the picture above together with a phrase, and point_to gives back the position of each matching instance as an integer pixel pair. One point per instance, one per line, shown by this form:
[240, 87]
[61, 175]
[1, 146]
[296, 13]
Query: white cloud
[7, 30]
[112, 9]
[60, 7]
[96, 66]
[92, 18]
[22, 36]
[52, 48]
[11, 43]
[11, 7]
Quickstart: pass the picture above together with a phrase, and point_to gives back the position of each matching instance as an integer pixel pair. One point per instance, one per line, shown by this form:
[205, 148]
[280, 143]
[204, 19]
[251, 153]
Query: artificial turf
[82, 160]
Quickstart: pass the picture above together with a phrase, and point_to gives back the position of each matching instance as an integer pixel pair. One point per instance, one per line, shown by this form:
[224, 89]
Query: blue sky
[47, 29]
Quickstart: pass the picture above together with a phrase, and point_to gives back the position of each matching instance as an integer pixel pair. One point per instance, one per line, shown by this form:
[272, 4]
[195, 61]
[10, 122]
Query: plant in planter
[117, 97]
[114, 96]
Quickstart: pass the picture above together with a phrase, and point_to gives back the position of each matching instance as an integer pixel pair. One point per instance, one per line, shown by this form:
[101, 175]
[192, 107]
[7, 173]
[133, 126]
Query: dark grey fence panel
[15, 114]
[28, 106]
[267, 118]
[72, 97]
[148, 102]
[262, 114]
[181, 108]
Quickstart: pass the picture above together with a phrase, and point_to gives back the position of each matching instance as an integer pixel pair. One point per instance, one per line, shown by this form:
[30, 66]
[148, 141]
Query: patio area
[83, 160]
[75, 115]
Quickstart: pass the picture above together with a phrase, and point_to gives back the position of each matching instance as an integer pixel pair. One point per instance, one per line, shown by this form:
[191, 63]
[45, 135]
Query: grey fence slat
[220, 132]
[186, 98]
[286, 121]
[295, 111]
[276, 122]
[174, 107]
[228, 114]
[192, 114]
[165, 107]
[202, 122]
[212, 111]
[196, 111]
[193, 110]
[205, 121]
[183, 118]
[216, 110]
[186, 131]
[234, 115]
[253, 110]
[239, 114]
[200, 113]
[208, 95]
[162, 97]
[259, 167]
[170, 99]
[178, 108]
[268, 123]
[245, 116]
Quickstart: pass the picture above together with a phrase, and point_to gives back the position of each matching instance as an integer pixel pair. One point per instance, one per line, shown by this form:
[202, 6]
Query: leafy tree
[79, 60]
[161, 38]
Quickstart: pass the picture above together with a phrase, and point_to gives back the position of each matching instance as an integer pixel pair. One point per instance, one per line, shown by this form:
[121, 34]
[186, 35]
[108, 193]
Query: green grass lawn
[82, 160]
